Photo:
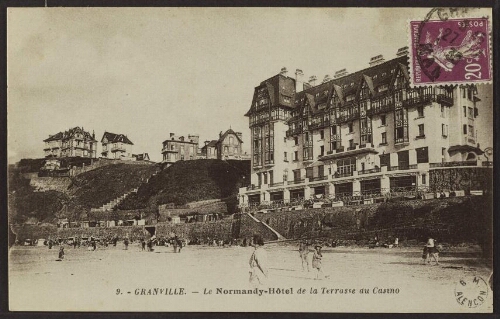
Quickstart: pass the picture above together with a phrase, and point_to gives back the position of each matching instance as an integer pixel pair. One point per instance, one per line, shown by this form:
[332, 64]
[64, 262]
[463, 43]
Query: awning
[465, 149]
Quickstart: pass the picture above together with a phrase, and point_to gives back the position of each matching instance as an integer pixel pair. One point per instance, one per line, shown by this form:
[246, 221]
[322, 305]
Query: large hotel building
[365, 133]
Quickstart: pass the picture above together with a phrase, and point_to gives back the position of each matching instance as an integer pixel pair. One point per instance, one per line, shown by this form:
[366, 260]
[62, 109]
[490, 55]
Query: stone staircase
[115, 202]
[280, 237]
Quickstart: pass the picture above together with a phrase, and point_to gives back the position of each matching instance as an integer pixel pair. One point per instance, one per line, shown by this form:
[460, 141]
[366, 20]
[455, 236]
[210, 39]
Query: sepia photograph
[317, 160]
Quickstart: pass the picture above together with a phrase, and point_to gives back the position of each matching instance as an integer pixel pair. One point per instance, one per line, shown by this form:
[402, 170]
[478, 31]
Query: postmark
[450, 50]
[471, 292]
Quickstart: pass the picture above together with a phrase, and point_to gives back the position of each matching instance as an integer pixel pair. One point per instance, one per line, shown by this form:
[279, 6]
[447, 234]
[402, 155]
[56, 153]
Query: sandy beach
[216, 279]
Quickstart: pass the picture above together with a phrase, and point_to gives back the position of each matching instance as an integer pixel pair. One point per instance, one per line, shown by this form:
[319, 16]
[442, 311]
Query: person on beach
[304, 252]
[179, 244]
[316, 261]
[126, 243]
[143, 244]
[61, 252]
[175, 243]
[258, 262]
[430, 249]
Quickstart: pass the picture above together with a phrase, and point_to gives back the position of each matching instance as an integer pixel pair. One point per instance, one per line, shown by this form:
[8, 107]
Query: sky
[147, 72]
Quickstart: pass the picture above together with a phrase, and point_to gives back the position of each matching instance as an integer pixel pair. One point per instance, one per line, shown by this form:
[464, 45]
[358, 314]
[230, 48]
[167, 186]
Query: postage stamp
[450, 51]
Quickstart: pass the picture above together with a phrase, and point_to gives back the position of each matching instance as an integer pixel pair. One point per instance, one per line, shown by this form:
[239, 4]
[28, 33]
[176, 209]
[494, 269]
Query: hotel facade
[363, 134]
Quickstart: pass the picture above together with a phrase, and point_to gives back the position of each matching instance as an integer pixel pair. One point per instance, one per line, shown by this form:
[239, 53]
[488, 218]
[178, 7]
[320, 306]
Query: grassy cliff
[91, 189]
[189, 181]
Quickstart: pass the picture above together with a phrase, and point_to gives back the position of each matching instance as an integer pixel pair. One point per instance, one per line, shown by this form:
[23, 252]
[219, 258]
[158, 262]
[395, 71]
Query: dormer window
[383, 88]
[350, 97]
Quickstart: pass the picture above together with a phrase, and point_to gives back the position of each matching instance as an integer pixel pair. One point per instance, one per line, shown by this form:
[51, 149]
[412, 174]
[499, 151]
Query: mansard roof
[280, 90]
[375, 76]
[116, 138]
[71, 133]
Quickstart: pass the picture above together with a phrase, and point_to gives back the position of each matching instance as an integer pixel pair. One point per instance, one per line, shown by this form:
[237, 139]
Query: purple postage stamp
[450, 51]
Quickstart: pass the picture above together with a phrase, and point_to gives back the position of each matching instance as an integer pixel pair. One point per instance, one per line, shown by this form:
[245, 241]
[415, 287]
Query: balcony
[402, 140]
[402, 167]
[443, 99]
[378, 108]
[118, 149]
[418, 100]
[320, 124]
[348, 118]
[297, 181]
[344, 174]
[253, 187]
[295, 131]
[318, 178]
[277, 184]
[369, 171]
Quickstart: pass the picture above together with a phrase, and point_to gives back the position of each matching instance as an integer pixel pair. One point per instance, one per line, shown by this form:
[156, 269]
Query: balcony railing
[487, 163]
[417, 100]
[318, 178]
[297, 181]
[319, 124]
[453, 164]
[402, 140]
[294, 131]
[378, 107]
[117, 148]
[402, 167]
[369, 171]
[277, 184]
[252, 187]
[441, 98]
[344, 174]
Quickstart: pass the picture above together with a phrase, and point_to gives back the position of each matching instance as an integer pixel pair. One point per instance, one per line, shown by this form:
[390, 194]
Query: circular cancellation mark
[471, 292]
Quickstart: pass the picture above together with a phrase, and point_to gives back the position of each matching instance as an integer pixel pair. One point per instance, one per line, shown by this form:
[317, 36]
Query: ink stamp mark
[471, 292]
[450, 51]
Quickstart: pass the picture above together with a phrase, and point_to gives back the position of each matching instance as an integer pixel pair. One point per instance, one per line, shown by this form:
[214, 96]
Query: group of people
[304, 250]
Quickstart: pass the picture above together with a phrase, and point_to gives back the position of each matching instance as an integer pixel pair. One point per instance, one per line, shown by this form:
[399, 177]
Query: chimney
[239, 134]
[172, 134]
[220, 134]
[402, 51]
[340, 73]
[306, 86]
[284, 71]
[312, 80]
[326, 79]
[299, 78]
[181, 138]
[376, 60]
[206, 142]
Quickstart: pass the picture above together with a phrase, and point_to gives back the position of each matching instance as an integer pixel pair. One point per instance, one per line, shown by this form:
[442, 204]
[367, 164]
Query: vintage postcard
[250, 159]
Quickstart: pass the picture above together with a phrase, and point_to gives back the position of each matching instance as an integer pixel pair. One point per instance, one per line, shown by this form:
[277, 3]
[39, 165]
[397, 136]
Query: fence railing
[453, 164]
[348, 198]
